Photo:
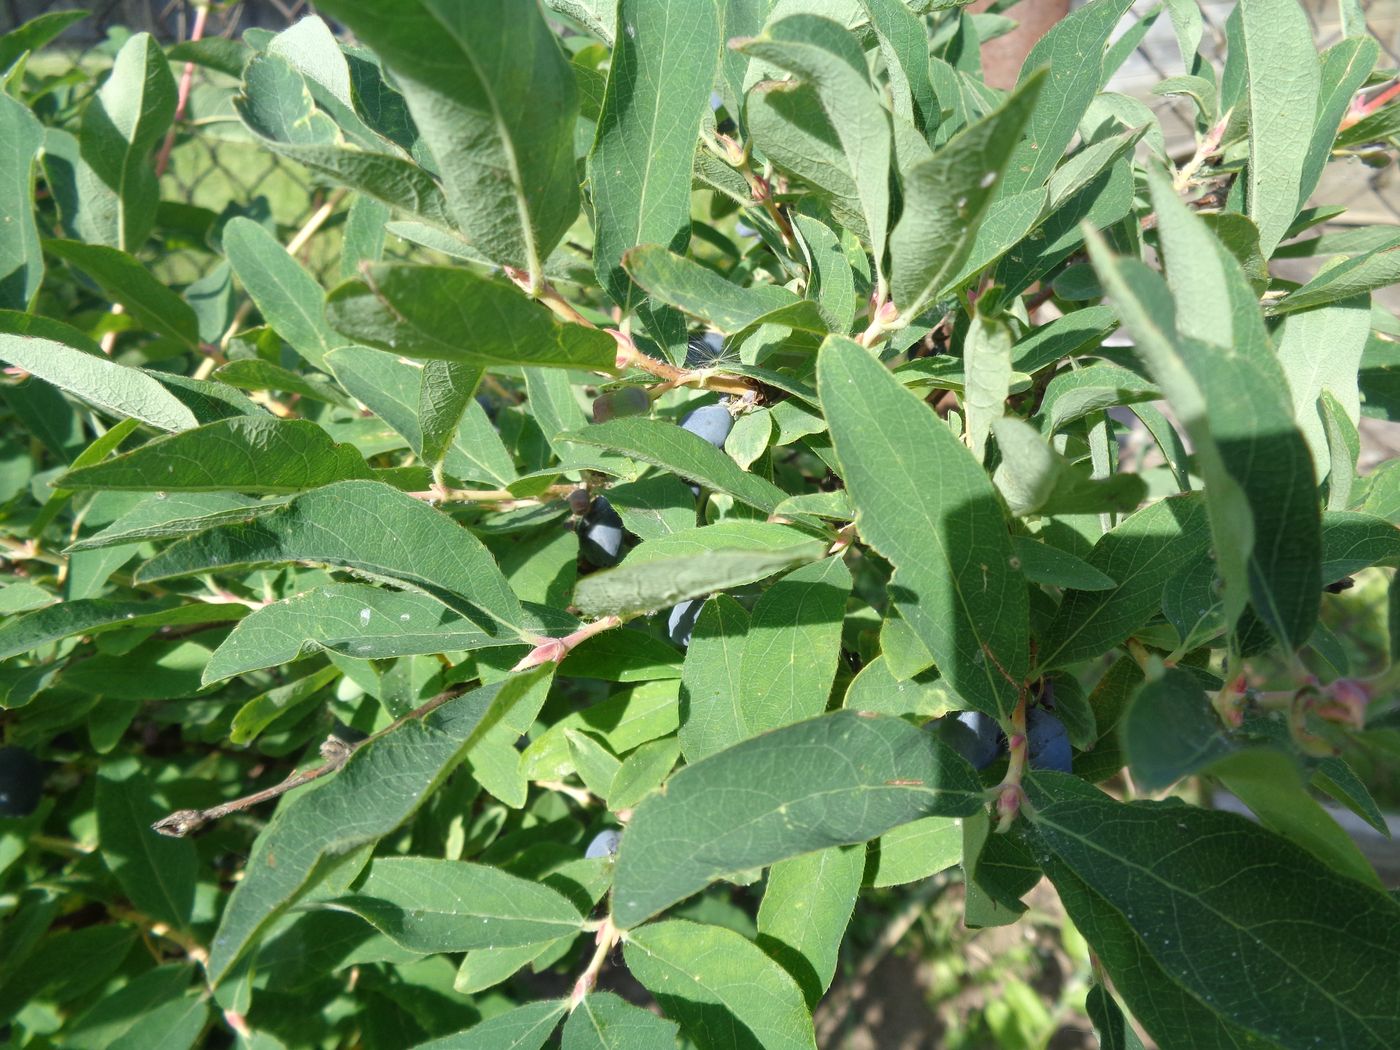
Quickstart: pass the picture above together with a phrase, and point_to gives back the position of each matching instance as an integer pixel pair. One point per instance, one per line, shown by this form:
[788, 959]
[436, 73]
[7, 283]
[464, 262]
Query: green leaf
[700, 292]
[433, 906]
[493, 98]
[122, 1011]
[444, 396]
[288, 296]
[522, 1028]
[393, 389]
[1344, 69]
[255, 454]
[789, 127]
[1320, 350]
[21, 259]
[252, 373]
[916, 850]
[1282, 85]
[1045, 563]
[602, 1021]
[321, 826]
[1354, 541]
[1174, 870]
[1361, 273]
[1343, 450]
[127, 392]
[353, 619]
[127, 116]
[623, 722]
[946, 199]
[1074, 51]
[272, 704]
[1268, 782]
[924, 503]
[1165, 1009]
[839, 779]
[34, 34]
[806, 907]
[824, 55]
[661, 505]
[666, 445]
[165, 515]
[987, 359]
[711, 678]
[1170, 730]
[1141, 554]
[52, 623]
[1074, 394]
[277, 107]
[904, 47]
[725, 992]
[126, 281]
[791, 648]
[370, 529]
[641, 585]
[1261, 491]
[157, 874]
[639, 169]
[420, 311]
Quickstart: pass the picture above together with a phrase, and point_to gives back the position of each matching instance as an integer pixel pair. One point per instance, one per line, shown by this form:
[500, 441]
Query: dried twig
[335, 751]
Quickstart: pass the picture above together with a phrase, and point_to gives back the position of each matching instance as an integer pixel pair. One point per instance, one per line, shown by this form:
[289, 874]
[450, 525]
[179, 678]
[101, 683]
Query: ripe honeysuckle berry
[712, 422]
[625, 401]
[1048, 741]
[21, 782]
[680, 621]
[973, 735]
[604, 844]
[600, 535]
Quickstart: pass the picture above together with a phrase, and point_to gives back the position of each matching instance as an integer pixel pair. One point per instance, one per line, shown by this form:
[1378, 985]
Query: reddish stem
[201, 15]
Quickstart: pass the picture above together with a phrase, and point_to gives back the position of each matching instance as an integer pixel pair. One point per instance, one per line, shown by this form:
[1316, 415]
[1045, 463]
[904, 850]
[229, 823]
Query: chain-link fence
[215, 165]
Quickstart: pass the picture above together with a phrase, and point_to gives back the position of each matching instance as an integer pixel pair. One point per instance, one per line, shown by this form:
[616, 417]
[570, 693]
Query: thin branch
[607, 936]
[335, 751]
[182, 100]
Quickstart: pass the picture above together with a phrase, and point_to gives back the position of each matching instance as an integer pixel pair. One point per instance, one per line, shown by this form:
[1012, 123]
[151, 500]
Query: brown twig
[335, 751]
[628, 356]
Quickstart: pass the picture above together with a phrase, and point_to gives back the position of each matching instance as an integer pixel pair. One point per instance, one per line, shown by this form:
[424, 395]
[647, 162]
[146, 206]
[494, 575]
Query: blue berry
[1048, 741]
[21, 782]
[604, 844]
[680, 622]
[973, 735]
[713, 423]
[600, 535]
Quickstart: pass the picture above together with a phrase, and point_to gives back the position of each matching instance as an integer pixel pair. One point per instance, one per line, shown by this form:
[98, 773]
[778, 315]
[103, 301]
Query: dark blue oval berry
[713, 423]
[975, 736]
[680, 622]
[1048, 741]
[600, 535]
